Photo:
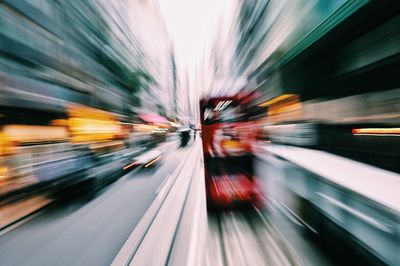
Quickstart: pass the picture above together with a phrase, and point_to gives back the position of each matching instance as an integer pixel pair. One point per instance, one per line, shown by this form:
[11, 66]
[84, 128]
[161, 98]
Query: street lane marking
[131, 245]
[165, 182]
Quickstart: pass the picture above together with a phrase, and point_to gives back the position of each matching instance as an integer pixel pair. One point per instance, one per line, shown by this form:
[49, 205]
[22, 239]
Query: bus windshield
[222, 112]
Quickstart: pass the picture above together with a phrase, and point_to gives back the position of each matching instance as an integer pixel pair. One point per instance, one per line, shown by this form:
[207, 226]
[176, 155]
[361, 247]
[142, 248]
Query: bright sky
[193, 25]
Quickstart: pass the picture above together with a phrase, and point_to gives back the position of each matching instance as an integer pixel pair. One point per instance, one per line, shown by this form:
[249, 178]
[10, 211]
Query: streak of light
[130, 165]
[277, 99]
[152, 161]
[376, 131]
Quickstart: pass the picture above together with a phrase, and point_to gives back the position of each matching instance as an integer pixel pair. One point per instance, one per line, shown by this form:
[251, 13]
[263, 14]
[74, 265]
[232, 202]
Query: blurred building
[146, 21]
[74, 76]
[330, 68]
[92, 53]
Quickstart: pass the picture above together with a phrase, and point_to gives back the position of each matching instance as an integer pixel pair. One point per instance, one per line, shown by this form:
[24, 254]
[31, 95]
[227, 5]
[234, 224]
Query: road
[87, 231]
[90, 230]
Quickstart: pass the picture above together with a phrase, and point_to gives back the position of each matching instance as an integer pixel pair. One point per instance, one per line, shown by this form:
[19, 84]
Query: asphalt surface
[87, 230]
[92, 230]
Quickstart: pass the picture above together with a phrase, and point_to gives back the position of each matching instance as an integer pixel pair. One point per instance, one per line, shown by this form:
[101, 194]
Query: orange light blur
[106, 144]
[30, 133]
[283, 108]
[130, 165]
[59, 122]
[278, 99]
[376, 131]
[88, 124]
[144, 127]
[153, 161]
[76, 110]
[162, 125]
[3, 172]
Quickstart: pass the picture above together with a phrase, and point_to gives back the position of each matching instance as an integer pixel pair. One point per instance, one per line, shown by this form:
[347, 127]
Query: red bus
[228, 145]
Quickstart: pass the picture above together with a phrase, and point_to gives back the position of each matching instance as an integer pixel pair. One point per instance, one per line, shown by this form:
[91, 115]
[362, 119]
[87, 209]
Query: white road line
[131, 245]
[284, 243]
[164, 184]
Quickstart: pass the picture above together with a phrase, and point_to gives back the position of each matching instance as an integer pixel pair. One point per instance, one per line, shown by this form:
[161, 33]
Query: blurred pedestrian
[185, 136]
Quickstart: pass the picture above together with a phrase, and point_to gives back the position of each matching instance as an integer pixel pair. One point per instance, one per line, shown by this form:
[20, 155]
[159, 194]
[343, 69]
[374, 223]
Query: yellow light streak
[277, 99]
[130, 165]
[153, 161]
[377, 131]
